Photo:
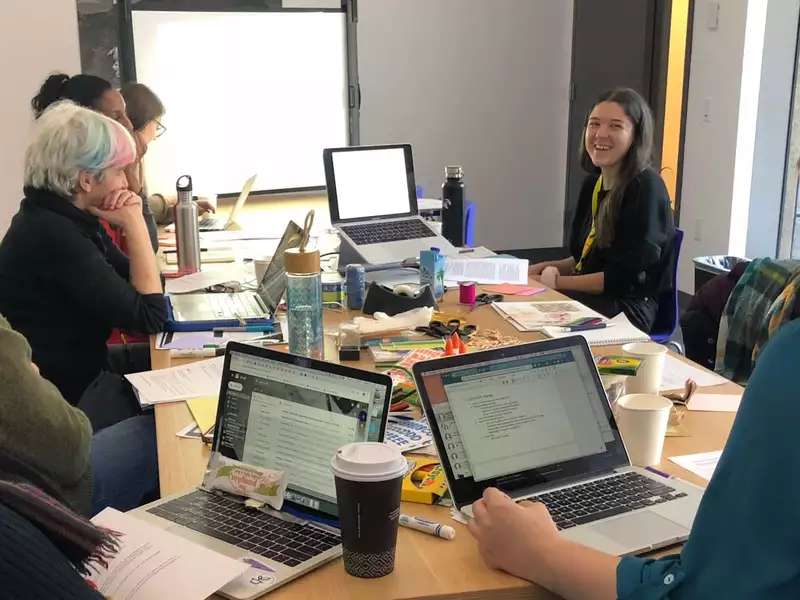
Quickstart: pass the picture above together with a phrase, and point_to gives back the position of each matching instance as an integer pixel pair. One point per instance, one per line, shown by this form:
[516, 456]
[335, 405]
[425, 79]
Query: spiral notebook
[619, 331]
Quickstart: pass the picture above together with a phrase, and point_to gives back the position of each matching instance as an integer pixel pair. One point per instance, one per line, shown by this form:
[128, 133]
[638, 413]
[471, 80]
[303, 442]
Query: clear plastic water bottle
[304, 299]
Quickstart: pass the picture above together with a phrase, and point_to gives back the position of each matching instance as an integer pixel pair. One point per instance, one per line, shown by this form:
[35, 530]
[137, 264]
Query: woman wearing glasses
[145, 111]
[96, 93]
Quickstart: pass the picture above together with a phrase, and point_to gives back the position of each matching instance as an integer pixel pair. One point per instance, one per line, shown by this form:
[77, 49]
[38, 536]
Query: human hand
[536, 269]
[204, 206]
[512, 537]
[121, 207]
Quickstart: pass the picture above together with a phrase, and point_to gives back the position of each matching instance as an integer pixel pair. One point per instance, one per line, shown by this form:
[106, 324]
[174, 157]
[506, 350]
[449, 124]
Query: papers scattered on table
[715, 402]
[153, 564]
[201, 378]
[407, 434]
[487, 270]
[190, 432]
[534, 316]
[619, 331]
[703, 464]
[204, 412]
[513, 290]
[198, 340]
[676, 372]
[202, 279]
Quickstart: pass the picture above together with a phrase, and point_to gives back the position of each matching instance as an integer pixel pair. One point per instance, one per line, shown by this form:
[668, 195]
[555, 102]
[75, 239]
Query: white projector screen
[244, 93]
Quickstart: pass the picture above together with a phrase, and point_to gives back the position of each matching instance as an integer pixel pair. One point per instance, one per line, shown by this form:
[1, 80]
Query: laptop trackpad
[639, 530]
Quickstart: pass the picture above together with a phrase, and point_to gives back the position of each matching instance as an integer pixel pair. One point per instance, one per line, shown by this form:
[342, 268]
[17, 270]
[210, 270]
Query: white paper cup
[642, 421]
[648, 377]
[260, 265]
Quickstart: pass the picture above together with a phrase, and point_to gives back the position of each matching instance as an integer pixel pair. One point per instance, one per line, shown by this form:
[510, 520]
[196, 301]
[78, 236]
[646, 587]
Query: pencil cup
[642, 420]
[648, 377]
[368, 477]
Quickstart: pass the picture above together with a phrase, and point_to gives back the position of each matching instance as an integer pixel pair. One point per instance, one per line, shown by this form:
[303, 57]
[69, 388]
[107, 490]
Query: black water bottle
[453, 206]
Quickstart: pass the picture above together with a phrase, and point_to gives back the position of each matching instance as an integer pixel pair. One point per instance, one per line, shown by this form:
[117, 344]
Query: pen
[466, 250]
[255, 328]
[586, 327]
[657, 472]
[443, 531]
[198, 353]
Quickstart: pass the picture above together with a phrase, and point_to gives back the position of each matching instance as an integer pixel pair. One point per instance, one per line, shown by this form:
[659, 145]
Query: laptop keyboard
[391, 231]
[235, 305]
[252, 530]
[603, 498]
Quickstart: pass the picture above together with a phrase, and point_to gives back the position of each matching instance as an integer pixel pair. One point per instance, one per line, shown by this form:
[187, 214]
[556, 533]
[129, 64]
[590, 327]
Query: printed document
[486, 270]
[152, 564]
[201, 378]
[676, 372]
[702, 465]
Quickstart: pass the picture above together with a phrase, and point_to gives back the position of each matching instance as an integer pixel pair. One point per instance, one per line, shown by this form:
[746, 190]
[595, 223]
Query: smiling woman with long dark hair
[623, 228]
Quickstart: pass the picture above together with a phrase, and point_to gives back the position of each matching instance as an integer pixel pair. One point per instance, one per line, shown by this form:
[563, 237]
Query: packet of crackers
[262, 485]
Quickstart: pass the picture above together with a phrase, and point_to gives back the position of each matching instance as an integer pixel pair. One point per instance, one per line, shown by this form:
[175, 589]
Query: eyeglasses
[160, 129]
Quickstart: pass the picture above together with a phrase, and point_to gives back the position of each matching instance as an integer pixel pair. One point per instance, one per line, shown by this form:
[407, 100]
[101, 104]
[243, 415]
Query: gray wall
[772, 127]
[483, 84]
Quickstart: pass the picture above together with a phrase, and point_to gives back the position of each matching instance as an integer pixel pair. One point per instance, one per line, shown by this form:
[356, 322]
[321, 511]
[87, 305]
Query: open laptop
[287, 412]
[260, 304]
[212, 222]
[373, 203]
[533, 420]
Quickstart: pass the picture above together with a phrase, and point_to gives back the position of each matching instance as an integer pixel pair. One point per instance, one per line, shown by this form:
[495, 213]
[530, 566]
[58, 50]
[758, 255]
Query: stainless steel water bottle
[453, 206]
[187, 234]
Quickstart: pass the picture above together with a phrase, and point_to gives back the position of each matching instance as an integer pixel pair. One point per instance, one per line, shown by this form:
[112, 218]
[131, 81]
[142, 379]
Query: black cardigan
[636, 264]
[64, 286]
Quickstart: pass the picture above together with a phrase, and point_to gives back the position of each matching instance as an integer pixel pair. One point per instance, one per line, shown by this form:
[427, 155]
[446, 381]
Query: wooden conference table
[426, 567]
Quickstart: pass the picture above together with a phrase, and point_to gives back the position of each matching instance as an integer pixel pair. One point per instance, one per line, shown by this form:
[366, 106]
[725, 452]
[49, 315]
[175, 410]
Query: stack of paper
[201, 378]
[486, 270]
[535, 316]
[677, 371]
[702, 465]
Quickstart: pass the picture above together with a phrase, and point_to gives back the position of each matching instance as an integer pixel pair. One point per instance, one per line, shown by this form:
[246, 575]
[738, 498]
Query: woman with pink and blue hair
[63, 284]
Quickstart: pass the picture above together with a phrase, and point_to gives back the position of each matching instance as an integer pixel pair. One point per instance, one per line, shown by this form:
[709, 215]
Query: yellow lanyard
[587, 245]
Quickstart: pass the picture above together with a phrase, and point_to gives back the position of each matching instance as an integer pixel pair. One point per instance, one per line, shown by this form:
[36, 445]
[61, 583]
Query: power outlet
[698, 230]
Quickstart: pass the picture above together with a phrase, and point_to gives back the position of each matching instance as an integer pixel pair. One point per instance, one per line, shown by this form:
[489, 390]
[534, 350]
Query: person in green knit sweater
[116, 467]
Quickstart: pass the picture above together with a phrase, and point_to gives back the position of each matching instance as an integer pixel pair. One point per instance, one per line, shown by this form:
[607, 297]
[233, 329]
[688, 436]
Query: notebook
[619, 331]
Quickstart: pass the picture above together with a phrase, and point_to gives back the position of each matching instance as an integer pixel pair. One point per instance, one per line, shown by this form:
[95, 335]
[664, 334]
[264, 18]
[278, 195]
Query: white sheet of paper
[197, 340]
[201, 378]
[211, 276]
[676, 372]
[534, 316]
[154, 564]
[703, 464]
[715, 402]
[486, 270]
[407, 434]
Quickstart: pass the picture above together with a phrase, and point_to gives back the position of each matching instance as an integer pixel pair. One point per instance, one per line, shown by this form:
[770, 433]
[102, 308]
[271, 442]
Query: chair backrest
[667, 314]
[469, 224]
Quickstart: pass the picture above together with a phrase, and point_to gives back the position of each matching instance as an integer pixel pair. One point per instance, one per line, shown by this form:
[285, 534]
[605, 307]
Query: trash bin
[707, 267]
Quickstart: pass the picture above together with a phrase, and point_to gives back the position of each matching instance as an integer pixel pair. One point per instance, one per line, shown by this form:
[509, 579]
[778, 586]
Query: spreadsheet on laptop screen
[283, 416]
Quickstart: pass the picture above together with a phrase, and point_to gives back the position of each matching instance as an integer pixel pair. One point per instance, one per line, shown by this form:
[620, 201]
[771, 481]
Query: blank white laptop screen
[371, 183]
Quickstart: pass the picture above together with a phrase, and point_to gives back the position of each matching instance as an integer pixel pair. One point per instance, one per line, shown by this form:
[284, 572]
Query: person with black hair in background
[145, 111]
[96, 93]
[623, 229]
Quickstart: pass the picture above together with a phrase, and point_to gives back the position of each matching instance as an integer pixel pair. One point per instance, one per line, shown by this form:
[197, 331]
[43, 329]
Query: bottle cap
[454, 172]
[297, 261]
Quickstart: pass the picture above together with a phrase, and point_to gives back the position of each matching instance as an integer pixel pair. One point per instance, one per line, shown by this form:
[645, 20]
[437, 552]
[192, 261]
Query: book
[619, 331]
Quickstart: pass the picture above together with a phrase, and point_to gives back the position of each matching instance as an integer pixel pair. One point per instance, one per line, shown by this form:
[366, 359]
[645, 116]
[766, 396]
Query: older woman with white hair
[63, 284]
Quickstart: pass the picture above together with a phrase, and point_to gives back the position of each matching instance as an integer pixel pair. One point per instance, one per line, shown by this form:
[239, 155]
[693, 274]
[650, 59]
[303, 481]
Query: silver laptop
[210, 222]
[373, 203]
[533, 420]
[241, 306]
[284, 412]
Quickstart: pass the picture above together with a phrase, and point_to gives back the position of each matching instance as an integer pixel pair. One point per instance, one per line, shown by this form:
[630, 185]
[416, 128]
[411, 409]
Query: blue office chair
[668, 313]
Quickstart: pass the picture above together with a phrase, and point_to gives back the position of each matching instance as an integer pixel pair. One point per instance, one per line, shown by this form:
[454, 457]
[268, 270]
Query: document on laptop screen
[517, 415]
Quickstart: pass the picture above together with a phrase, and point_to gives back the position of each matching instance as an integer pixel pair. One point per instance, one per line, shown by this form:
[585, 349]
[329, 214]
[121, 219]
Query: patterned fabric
[746, 319]
[781, 312]
[80, 541]
[360, 564]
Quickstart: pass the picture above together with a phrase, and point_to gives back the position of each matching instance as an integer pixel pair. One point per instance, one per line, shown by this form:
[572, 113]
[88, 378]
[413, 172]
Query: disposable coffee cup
[648, 377]
[368, 478]
[260, 266]
[642, 420]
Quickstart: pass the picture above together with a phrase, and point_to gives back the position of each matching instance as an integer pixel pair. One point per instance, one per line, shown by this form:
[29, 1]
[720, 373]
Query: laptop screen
[516, 418]
[370, 182]
[284, 412]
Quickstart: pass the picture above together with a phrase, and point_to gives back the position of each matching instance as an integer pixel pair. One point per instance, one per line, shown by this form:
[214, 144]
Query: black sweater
[635, 265]
[64, 286]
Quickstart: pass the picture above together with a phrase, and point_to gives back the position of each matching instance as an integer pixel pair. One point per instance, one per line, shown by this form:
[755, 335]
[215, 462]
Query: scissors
[439, 329]
[482, 299]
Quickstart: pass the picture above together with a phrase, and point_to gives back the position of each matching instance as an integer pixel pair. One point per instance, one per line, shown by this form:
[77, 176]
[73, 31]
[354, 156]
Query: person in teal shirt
[745, 542]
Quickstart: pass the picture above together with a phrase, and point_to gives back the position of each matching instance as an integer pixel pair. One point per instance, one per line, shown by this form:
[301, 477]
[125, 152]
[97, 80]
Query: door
[615, 43]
